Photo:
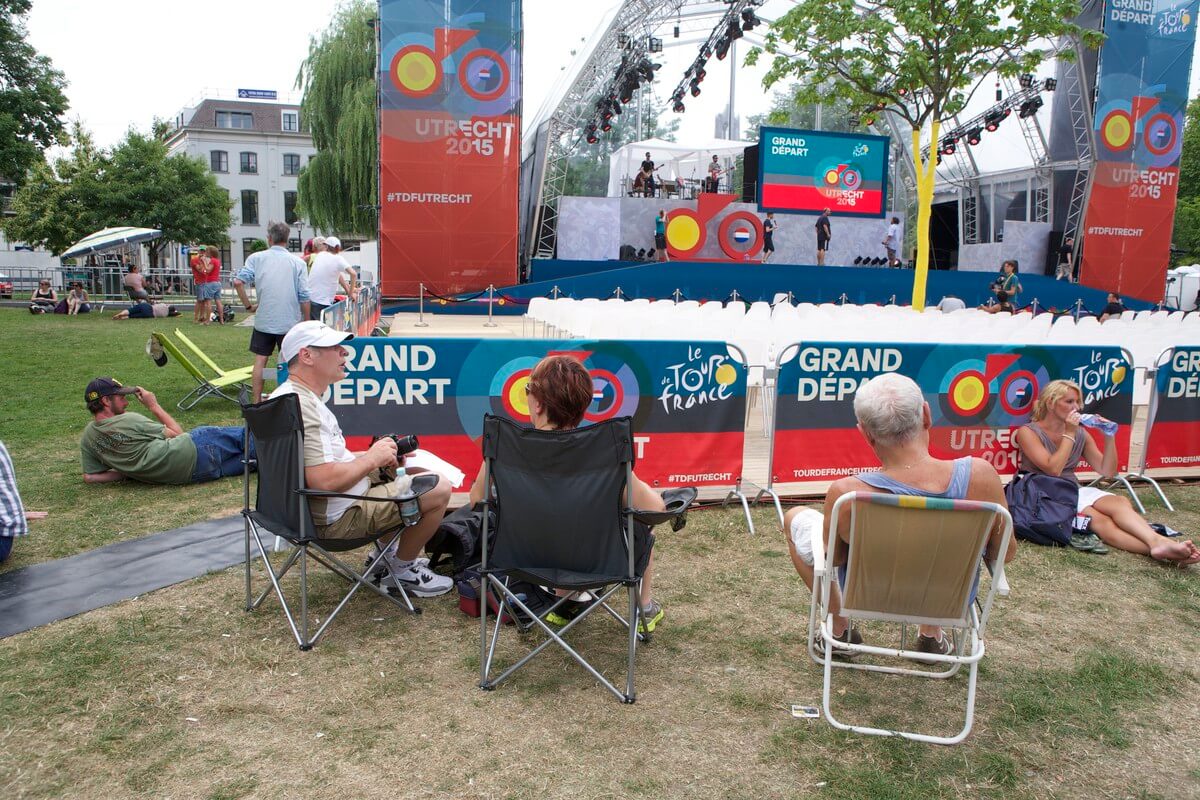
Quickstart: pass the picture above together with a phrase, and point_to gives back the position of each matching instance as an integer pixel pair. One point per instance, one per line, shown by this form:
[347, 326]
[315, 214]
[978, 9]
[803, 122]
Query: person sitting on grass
[1053, 444]
[43, 299]
[144, 310]
[119, 444]
[559, 393]
[895, 420]
[77, 300]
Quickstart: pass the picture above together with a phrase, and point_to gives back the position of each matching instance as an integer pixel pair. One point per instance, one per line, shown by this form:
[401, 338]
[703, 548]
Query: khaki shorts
[365, 517]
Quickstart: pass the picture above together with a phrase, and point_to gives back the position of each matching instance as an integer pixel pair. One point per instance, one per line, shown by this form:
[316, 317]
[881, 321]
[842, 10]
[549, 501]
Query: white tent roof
[676, 159]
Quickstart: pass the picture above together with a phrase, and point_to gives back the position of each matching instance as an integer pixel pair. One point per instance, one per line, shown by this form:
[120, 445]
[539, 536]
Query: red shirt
[199, 275]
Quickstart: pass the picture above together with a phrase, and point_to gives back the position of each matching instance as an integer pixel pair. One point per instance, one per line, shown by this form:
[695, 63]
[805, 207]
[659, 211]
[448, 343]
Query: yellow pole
[926, 174]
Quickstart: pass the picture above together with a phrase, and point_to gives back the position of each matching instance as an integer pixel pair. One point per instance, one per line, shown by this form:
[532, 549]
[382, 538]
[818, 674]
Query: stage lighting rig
[974, 135]
[1050, 84]
[1030, 107]
[592, 138]
[723, 47]
[1025, 79]
[749, 20]
[694, 87]
[654, 45]
[993, 118]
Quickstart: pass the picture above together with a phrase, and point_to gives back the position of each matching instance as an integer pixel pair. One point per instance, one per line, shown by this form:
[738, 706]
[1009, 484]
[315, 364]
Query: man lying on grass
[118, 444]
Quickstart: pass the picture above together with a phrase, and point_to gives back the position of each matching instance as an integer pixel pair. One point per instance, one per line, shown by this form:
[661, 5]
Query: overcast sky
[132, 60]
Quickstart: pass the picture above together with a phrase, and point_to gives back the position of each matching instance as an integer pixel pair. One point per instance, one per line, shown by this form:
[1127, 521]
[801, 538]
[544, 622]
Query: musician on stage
[714, 175]
[649, 185]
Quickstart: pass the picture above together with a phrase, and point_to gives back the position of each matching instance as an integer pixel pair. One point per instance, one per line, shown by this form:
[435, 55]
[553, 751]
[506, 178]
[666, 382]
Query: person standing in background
[768, 236]
[824, 234]
[660, 235]
[891, 242]
[714, 176]
[1066, 260]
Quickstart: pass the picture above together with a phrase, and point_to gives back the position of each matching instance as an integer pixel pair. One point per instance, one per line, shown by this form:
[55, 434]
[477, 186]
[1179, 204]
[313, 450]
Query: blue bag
[1042, 507]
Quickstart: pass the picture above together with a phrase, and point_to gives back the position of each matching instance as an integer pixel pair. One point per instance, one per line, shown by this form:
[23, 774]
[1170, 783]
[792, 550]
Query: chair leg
[635, 615]
[307, 643]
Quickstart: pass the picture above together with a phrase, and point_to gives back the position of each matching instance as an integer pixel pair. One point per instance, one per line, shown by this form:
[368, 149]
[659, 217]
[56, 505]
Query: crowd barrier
[359, 317]
[687, 399]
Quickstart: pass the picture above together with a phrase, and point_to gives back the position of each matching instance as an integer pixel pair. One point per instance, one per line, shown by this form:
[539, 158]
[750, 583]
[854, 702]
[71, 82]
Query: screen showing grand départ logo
[806, 172]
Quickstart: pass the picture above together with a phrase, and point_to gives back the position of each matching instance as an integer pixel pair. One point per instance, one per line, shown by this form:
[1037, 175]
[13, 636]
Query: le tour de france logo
[419, 69]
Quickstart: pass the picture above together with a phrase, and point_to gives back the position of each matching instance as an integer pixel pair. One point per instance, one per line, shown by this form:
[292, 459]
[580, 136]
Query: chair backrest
[559, 496]
[174, 352]
[278, 430]
[914, 559]
[200, 354]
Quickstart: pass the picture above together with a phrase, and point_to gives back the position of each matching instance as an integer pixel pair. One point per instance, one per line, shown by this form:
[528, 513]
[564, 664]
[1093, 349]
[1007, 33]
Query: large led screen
[808, 171]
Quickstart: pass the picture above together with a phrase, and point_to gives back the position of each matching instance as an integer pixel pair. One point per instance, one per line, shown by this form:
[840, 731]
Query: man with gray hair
[281, 281]
[895, 420]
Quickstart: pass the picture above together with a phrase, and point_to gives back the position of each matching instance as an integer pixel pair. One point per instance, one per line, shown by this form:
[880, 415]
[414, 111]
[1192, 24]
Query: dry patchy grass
[1089, 689]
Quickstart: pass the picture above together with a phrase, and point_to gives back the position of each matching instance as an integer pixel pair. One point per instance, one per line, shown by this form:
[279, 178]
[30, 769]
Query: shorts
[6, 543]
[218, 452]
[263, 344]
[209, 291]
[660, 241]
[367, 517]
[1089, 496]
[768, 243]
[822, 243]
[315, 310]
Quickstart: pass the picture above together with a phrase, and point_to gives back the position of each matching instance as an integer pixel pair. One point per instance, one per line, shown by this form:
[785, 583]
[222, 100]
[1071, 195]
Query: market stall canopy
[109, 238]
[675, 160]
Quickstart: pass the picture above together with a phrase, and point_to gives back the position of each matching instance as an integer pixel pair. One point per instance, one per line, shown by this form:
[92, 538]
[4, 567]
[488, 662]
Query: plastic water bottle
[1107, 427]
[410, 508]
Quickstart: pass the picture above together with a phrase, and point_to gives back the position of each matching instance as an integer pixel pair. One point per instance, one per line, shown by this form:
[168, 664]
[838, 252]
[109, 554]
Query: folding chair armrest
[677, 502]
[818, 549]
[420, 485]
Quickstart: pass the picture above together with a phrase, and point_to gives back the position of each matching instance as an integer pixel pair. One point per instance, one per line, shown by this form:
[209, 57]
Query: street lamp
[299, 223]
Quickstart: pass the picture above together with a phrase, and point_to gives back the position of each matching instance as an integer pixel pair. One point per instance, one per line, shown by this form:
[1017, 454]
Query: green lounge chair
[207, 386]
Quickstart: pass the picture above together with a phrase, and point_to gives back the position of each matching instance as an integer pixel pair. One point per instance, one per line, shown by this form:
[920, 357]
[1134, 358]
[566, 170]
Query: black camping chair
[564, 520]
[281, 508]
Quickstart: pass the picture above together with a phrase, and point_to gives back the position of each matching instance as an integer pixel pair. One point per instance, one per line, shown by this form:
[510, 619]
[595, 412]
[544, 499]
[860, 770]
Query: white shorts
[805, 525]
[1088, 495]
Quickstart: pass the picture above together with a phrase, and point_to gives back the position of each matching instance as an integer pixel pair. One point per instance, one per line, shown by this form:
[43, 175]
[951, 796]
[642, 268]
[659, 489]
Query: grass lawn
[1089, 687]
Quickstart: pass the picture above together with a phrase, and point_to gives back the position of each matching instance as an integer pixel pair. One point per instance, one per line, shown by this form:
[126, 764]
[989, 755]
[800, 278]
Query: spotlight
[1050, 84]
[654, 45]
[592, 138]
[993, 118]
[948, 147]
[606, 126]
[678, 108]
[974, 135]
[676, 31]
[1030, 107]
[735, 30]
[857, 260]
[646, 69]
[722, 48]
[749, 20]
[1026, 80]
[695, 88]
[623, 40]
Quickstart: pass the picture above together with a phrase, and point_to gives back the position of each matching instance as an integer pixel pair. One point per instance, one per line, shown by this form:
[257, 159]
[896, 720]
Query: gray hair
[279, 233]
[889, 408]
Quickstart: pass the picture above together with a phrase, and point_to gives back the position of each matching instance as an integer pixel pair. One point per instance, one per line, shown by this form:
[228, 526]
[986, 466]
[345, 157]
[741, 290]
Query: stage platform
[753, 281]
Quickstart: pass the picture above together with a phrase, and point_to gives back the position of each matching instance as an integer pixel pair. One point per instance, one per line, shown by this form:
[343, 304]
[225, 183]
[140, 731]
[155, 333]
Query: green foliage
[787, 111]
[1186, 238]
[338, 187]
[31, 96]
[917, 58]
[256, 246]
[135, 183]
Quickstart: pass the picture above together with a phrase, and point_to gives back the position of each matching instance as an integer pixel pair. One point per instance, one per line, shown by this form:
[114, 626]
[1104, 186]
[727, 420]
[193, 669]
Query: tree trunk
[926, 175]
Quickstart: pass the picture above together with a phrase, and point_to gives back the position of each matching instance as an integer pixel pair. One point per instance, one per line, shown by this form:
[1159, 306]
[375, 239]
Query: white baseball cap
[312, 333]
[332, 242]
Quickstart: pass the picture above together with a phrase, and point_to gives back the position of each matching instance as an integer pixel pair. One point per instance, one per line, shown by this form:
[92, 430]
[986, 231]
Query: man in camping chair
[895, 420]
[316, 360]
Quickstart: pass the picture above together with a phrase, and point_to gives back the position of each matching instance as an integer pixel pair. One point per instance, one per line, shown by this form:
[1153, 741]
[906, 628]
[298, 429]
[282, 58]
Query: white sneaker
[417, 578]
[381, 569]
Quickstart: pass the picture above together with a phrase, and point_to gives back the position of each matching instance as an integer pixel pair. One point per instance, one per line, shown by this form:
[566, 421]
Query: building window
[235, 119]
[289, 207]
[250, 163]
[219, 160]
[291, 163]
[225, 254]
[247, 248]
[249, 207]
[291, 121]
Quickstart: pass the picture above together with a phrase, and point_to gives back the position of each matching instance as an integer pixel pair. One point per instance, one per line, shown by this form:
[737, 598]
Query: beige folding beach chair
[912, 561]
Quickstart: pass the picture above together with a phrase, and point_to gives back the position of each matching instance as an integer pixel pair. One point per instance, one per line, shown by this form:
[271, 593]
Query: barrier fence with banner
[978, 395]
[356, 316]
[687, 399]
[1173, 423]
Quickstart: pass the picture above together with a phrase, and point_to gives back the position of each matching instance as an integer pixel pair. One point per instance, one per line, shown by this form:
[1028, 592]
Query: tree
[918, 59]
[53, 208]
[32, 102]
[1189, 158]
[134, 184]
[789, 112]
[339, 185]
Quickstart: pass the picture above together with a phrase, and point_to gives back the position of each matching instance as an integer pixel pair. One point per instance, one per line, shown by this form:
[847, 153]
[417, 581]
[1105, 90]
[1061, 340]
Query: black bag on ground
[455, 544]
[1042, 507]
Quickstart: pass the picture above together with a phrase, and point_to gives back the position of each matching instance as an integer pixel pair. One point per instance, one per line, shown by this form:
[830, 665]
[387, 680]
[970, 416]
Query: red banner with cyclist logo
[1173, 438]
[978, 395]
[449, 145]
[1140, 102]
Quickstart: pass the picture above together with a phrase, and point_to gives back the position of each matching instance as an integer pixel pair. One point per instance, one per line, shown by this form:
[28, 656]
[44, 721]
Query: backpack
[455, 544]
[1042, 507]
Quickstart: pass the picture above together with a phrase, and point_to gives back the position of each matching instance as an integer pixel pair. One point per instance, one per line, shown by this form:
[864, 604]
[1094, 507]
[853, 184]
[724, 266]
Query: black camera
[404, 444]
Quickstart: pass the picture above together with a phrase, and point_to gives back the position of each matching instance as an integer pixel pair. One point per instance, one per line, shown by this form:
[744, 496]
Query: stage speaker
[750, 174]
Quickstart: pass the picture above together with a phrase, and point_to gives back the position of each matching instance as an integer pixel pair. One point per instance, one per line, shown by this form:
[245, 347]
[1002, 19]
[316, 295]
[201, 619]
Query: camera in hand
[404, 444]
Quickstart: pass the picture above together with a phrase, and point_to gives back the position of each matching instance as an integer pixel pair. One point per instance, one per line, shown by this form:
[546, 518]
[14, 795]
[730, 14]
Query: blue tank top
[960, 478]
